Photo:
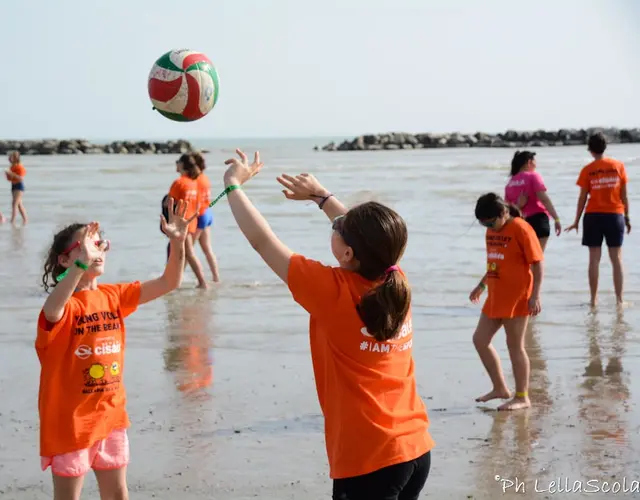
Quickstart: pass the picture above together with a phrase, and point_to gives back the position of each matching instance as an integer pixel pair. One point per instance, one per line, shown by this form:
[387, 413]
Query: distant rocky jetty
[508, 139]
[81, 146]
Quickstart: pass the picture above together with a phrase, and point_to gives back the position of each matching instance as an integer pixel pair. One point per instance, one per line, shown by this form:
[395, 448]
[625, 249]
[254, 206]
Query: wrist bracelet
[78, 264]
[226, 191]
[482, 285]
[324, 200]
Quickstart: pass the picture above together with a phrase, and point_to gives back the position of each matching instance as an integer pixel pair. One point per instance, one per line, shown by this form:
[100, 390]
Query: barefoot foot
[203, 286]
[494, 394]
[515, 404]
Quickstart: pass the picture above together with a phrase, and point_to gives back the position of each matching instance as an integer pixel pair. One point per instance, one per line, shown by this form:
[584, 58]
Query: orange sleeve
[176, 191]
[129, 294]
[583, 180]
[48, 331]
[314, 286]
[623, 174]
[530, 245]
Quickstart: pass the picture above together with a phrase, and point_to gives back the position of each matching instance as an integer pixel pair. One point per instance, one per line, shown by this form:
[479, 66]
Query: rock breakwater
[82, 146]
[508, 139]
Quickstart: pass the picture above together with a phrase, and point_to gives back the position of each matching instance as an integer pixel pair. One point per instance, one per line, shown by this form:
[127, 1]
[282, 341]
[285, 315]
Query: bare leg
[23, 213]
[543, 243]
[196, 236]
[112, 484]
[515, 329]
[194, 262]
[482, 337]
[615, 254]
[205, 243]
[594, 270]
[67, 488]
[15, 201]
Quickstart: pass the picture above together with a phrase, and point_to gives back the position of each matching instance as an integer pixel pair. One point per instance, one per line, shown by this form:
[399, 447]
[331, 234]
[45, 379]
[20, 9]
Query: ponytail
[514, 211]
[383, 309]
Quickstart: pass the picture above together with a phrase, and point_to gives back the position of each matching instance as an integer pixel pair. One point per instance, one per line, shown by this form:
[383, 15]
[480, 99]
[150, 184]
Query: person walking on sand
[513, 278]
[376, 425]
[527, 191]
[603, 182]
[15, 175]
[80, 344]
[205, 219]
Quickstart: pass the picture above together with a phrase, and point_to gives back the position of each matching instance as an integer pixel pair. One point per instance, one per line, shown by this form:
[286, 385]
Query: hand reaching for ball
[239, 170]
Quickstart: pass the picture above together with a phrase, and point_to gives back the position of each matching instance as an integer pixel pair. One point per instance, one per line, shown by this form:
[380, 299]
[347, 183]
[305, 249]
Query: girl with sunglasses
[376, 425]
[513, 278]
[80, 344]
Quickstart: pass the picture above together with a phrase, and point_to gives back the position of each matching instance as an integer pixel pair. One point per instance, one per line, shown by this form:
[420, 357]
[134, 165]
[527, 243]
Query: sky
[309, 68]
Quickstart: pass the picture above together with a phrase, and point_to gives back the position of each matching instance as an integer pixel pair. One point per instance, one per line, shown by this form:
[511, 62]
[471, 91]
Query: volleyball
[183, 85]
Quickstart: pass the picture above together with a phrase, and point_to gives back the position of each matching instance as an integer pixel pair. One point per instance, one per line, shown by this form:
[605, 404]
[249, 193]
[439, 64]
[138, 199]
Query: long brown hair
[490, 206]
[61, 241]
[189, 166]
[199, 159]
[378, 237]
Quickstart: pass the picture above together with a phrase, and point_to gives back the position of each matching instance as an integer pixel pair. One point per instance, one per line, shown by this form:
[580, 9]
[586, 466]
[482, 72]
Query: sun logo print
[115, 368]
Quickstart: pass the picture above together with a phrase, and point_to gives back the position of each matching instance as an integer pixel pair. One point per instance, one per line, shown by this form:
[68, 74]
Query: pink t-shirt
[529, 183]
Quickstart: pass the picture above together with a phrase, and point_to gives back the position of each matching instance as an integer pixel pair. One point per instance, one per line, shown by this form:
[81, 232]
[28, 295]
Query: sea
[220, 387]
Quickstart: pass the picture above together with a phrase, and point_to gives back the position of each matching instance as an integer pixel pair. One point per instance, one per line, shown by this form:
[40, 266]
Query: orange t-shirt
[510, 253]
[204, 192]
[603, 180]
[18, 170]
[186, 189]
[82, 398]
[373, 414]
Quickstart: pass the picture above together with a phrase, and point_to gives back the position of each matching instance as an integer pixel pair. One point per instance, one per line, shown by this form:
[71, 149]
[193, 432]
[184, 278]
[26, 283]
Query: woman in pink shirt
[527, 191]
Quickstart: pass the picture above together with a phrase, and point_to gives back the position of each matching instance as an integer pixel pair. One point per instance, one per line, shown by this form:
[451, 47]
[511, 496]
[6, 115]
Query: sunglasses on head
[98, 243]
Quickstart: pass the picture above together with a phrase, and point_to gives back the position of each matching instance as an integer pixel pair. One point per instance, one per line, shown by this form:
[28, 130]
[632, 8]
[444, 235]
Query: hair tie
[390, 269]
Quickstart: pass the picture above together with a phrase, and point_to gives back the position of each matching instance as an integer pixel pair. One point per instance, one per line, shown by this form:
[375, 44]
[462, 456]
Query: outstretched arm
[176, 228]
[250, 221]
[306, 187]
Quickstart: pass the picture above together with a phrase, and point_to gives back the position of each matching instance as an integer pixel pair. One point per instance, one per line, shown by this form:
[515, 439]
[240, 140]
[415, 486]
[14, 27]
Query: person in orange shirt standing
[604, 183]
[185, 188]
[513, 277]
[205, 219]
[15, 174]
[80, 345]
[376, 425]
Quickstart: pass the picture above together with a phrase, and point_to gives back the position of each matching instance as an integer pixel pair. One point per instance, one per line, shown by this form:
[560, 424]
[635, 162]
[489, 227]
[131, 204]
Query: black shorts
[397, 482]
[597, 227]
[17, 186]
[540, 224]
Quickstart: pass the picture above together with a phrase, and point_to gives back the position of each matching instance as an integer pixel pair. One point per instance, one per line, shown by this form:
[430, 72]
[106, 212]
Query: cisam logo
[84, 351]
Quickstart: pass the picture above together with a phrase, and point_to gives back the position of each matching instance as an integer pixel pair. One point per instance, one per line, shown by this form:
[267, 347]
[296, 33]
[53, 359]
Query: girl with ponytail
[376, 425]
[513, 278]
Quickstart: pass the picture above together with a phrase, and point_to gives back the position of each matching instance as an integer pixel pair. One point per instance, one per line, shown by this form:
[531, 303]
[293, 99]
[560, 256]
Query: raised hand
[239, 171]
[177, 227]
[302, 187]
[90, 250]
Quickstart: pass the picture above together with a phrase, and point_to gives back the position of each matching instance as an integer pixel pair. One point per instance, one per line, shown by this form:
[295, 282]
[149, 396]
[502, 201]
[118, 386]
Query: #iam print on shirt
[388, 346]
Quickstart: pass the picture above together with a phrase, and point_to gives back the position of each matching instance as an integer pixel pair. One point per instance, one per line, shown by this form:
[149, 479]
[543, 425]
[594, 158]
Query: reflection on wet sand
[188, 354]
[603, 399]
[506, 464]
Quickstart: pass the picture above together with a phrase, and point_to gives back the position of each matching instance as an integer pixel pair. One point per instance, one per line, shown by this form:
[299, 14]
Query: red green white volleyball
[183, 85]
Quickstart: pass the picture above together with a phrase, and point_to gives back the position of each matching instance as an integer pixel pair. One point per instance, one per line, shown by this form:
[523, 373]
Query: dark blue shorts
[608, 227]
[18, 186]
[206, 219]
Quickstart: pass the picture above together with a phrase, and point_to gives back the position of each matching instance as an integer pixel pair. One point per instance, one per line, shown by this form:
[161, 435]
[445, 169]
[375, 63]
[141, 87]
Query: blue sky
[301, 68]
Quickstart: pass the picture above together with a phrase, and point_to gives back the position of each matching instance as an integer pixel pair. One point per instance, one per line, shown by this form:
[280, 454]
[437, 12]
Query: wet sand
[221, 392]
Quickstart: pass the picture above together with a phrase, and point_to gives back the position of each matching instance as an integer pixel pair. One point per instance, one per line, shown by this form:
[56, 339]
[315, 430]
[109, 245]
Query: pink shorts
[109, 453]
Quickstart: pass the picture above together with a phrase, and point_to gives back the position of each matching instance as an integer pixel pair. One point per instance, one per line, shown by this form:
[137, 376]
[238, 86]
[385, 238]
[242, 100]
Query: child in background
[514, 276]
[15, 174]
[186, 188]
[376, 425]
[205, 219]
[527, 191]
[604, 183]
[80, 344]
